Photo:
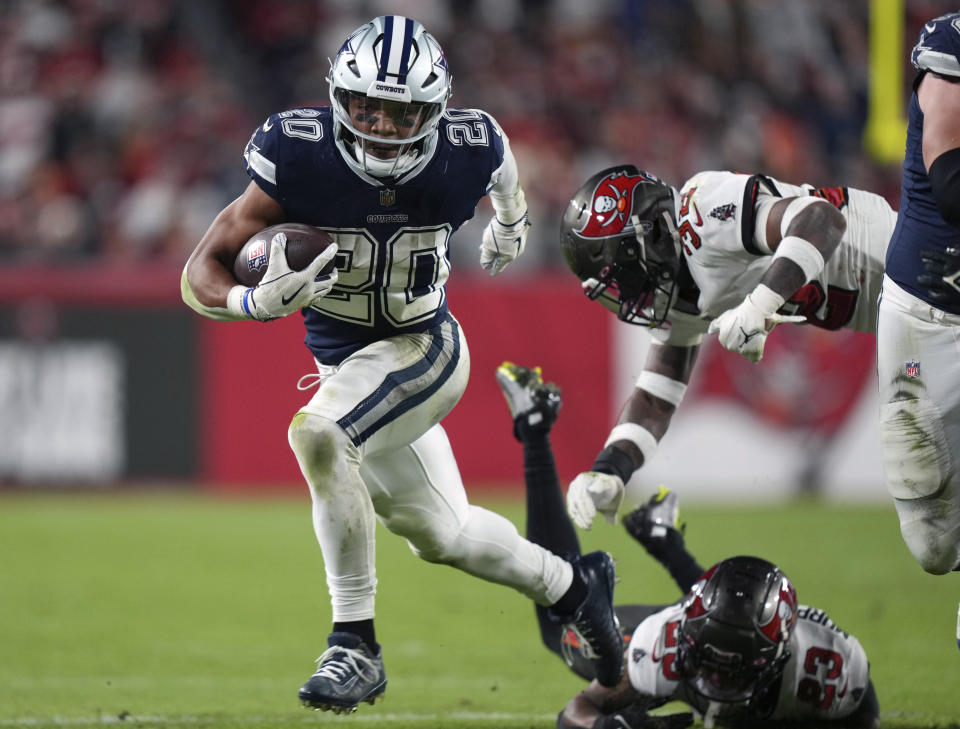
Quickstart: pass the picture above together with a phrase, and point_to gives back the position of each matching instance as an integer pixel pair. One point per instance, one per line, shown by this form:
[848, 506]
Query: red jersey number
[688, 236]
[820, 692]
[670, 655]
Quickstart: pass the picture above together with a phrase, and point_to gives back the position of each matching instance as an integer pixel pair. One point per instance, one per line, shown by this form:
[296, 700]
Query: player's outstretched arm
[802, 233]
[643, 421]
[617, 708]
[208, 275]
[584, 709]
[867, 715]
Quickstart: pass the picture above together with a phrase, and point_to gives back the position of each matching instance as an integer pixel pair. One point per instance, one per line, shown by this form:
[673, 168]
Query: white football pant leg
[918, 348]
[382, 397]
[343, 517]
[418, 493]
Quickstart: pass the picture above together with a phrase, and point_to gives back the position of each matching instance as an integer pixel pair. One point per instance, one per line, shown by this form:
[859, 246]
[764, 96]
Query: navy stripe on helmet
[385, 47]
[405, 55]
[395, 381]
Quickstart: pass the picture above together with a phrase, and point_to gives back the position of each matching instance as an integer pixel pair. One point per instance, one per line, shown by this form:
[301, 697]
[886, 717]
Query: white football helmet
[389, 86]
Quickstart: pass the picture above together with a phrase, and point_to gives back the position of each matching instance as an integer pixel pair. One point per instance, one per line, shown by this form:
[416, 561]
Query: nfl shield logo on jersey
[913, 369]
[388, 197]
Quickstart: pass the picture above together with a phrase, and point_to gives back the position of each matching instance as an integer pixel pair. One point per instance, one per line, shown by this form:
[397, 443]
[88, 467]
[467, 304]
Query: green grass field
[170, 610]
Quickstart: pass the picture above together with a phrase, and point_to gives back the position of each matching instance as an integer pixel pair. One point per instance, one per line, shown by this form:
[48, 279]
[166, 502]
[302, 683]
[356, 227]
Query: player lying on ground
[737, 648]
[730, 253]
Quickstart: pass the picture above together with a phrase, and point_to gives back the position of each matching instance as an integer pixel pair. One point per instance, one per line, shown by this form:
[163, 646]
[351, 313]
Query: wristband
[614, 461]
[767, 301]
[246, 301]
[636, 434]
[236, 302]
[661, 386]
[802, 252]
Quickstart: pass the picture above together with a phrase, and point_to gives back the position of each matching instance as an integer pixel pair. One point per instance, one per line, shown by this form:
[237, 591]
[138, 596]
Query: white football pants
[369, 442]
[918, 363]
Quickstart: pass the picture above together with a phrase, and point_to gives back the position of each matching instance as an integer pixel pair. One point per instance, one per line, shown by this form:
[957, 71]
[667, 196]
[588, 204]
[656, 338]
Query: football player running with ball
[727, 253]
[390, 173]
[737, 648]
[918, 334]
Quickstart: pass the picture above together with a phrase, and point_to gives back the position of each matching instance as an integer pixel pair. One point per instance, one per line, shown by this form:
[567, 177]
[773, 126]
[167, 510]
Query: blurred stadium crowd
[122, 122]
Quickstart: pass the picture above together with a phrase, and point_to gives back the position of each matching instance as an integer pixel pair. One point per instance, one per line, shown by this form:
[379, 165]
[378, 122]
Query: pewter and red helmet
[732, 639]
[619, 236]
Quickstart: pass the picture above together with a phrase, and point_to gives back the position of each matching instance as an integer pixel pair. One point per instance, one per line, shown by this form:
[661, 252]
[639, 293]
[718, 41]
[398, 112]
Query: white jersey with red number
[716, 222]
[825, 678]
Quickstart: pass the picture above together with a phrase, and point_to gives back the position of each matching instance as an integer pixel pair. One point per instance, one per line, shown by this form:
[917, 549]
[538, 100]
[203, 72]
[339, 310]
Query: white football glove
[744, 329]
[591, 492]
[282, 290]
[502, 243]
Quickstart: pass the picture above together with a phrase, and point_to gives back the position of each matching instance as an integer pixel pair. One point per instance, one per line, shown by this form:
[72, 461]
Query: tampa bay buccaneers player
[727, 253]
[737, 649]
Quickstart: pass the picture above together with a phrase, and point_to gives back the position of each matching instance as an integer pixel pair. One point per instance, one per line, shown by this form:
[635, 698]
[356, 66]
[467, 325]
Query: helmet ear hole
[628, 253]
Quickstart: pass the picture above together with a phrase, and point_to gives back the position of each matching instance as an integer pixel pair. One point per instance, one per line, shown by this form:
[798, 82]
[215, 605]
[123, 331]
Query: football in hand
[304, 243]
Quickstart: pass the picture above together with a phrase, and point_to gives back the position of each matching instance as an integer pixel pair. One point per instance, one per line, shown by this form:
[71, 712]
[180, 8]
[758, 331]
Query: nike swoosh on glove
[282, 290]
[591, 492]
[501, 243]
[744, 329]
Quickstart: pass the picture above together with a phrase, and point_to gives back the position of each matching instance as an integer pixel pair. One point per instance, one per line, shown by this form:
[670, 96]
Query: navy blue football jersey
[393, 239]
[919, 223]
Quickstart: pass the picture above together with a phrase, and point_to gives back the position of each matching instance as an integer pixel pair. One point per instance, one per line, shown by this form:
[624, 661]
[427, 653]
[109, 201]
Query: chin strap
[710, 715]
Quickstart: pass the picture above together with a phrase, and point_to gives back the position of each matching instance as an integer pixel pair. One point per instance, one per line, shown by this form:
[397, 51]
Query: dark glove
[937, 266]
[635, 716]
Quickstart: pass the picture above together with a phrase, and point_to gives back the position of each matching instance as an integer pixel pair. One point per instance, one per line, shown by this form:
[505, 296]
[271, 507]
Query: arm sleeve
[506, 195]
[944, 175]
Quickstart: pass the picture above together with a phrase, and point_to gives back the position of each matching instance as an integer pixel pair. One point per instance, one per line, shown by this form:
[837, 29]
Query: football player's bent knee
[434, 547]
[936, 550]
[431, 539]
[916, 458]
[322, 448]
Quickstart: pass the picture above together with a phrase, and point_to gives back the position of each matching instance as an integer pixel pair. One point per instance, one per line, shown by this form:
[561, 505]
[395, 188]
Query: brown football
[304, 243]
